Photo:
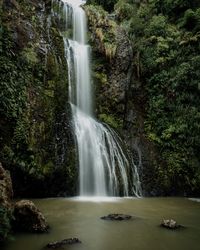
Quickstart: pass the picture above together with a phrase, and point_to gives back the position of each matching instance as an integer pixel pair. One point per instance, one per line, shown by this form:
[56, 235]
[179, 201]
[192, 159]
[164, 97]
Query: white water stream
[104, 167]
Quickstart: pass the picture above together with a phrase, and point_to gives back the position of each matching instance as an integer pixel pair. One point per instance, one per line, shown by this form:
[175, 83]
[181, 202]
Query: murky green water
[73, 218]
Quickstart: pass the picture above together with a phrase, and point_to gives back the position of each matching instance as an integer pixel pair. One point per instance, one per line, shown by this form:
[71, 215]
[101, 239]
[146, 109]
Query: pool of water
[81, 218]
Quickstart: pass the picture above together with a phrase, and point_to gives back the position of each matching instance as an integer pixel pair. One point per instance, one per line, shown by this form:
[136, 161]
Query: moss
[34, 109]
[101, 77]
[112, 121]
[30, 56]
[103, 30]
[48, 168]
[49, 93]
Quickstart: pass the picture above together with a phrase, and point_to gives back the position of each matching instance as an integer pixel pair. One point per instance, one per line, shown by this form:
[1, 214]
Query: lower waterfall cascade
[105, 168]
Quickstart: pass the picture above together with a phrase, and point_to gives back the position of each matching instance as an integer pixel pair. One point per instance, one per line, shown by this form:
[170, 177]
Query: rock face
[119, 73]
[121, 96]
[118, 217]
[29, 218]
[170, 224]
[61, 243]
[6, 191]
[37, 144]
[119, 78]
[111, 42]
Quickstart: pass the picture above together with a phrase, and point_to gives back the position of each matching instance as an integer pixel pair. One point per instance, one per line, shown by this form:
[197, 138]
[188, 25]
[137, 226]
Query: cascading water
[104, 168]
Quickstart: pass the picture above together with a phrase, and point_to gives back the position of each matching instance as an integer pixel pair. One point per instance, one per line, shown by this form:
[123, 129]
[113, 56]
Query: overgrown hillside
[164, 91]
[35, 134]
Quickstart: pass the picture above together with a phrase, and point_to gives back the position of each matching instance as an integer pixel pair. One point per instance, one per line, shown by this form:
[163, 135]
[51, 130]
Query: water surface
[81, 218]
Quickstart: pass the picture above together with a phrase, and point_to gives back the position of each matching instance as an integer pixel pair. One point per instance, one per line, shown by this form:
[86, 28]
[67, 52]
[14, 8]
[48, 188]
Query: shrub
[5, 227]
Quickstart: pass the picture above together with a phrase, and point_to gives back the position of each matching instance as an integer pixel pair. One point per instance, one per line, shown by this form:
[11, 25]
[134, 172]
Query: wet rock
[170, 224]
[57, 244]
[28, 218]
[6, 191]
[118, 217]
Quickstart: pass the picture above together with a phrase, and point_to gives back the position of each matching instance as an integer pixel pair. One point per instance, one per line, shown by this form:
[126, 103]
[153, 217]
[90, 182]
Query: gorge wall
[145, 59]
[155, 104]
[36, 143]
[120, 98]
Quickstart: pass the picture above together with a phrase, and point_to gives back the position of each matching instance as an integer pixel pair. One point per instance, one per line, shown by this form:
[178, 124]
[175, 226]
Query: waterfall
[105, 168]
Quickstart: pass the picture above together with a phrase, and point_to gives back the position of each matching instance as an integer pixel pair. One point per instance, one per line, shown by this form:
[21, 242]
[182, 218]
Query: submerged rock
[170, 224]
[57, 244]
[117, 217]
[29, 218]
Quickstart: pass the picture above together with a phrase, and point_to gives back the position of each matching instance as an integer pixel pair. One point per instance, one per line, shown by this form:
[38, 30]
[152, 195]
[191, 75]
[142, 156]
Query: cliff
[146, 78]
[36, 143]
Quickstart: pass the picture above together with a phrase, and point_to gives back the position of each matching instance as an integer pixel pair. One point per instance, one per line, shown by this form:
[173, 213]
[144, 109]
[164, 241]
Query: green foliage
[33, 108]
[166, 41]
[111, 120]
[104, 30]
[106, 4]
[174, 8]
[5, 227]
[13, 80]
[18, 71]
[30, 56]
[191, 20]
[124, 9]
[157, 26]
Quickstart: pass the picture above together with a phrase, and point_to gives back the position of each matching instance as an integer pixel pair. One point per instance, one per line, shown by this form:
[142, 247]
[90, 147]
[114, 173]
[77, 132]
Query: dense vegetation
[33, 99]
[106, 4]
[5, 226]
[35, 137]
[165, 36]
[33, 108]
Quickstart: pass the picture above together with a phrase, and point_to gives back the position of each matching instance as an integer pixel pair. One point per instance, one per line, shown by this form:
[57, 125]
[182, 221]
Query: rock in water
[170, 224]
[118, 217]
[28, 218]
[58, 244]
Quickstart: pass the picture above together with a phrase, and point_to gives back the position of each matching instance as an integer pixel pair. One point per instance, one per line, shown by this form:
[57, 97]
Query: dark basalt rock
[28, 218]
[57, 244]
[170, 224]
[118, 217]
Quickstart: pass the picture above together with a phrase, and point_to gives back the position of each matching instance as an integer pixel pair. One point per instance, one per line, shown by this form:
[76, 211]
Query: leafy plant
[5, 227]
[165, 38]
[106, 4]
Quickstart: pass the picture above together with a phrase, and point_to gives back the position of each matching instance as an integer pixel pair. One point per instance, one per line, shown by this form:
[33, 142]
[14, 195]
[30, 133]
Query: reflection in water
[75, 218]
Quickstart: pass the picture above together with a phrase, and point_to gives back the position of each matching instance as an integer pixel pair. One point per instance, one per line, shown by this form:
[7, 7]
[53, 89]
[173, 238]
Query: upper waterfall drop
[105, 169]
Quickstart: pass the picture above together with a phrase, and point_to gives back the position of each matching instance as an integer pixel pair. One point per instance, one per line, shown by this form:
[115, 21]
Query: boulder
[170, 224]
[118, 217]
[57, 244]
[28, 218]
